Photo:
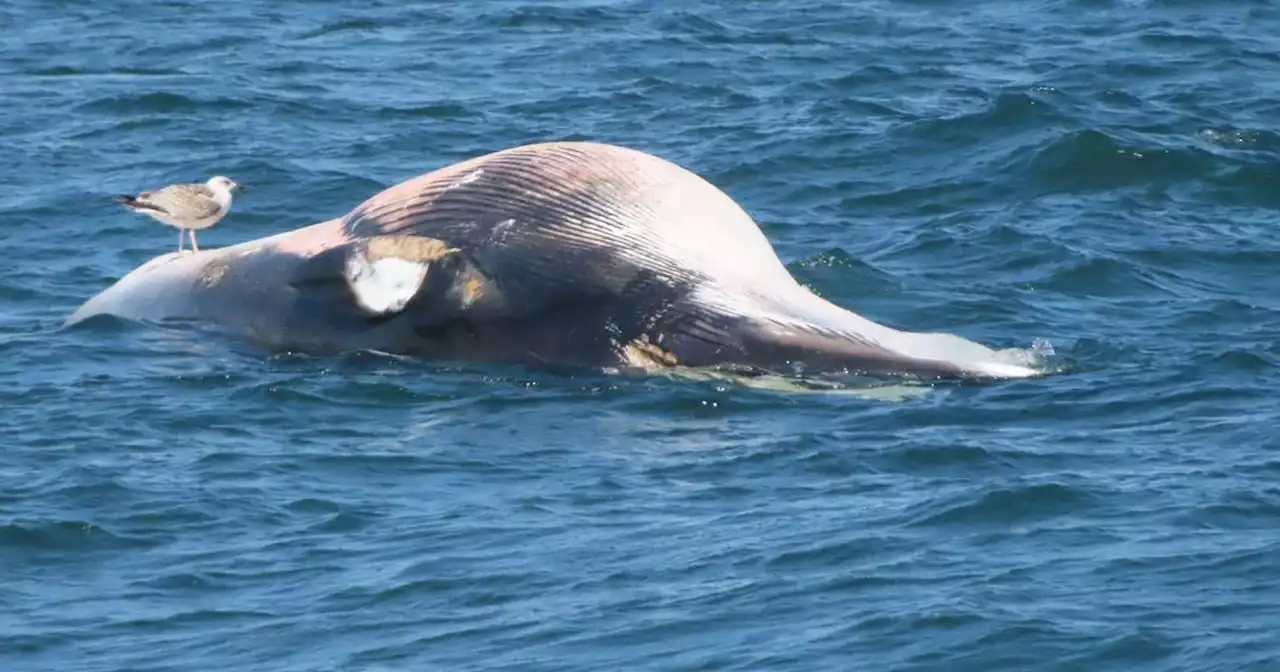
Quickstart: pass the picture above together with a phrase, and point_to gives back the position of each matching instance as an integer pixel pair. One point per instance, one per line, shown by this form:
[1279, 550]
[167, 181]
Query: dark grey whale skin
[562, 254]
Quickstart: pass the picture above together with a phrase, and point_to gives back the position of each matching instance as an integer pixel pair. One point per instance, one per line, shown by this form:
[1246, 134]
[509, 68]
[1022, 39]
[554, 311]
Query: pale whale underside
[578, 254]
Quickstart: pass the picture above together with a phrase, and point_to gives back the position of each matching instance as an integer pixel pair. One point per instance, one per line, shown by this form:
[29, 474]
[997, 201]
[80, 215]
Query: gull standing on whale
[187, 207]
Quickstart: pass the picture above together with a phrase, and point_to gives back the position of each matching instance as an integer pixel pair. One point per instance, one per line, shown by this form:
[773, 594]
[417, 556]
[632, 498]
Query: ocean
[1095, 179]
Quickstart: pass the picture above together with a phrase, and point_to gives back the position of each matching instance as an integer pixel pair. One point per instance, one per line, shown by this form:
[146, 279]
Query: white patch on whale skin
[386, 285]
[467, 179]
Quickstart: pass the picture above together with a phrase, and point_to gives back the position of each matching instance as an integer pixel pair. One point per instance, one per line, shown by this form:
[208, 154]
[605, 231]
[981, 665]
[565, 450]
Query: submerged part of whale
[569, 253]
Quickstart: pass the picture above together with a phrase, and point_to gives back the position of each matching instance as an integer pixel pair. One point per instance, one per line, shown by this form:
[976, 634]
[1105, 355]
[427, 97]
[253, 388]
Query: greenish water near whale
[1097, 179]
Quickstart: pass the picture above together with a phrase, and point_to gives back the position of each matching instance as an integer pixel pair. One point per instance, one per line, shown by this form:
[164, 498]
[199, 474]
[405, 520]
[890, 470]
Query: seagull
[187, 207]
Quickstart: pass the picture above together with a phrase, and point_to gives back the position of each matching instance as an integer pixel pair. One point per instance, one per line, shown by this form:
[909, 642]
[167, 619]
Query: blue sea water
[1097, 175]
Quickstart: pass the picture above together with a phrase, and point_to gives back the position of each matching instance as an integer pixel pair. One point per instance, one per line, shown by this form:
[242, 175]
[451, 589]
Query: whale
[552, 254]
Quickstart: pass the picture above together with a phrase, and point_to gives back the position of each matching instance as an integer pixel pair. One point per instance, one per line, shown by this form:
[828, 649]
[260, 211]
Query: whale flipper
[383, 276]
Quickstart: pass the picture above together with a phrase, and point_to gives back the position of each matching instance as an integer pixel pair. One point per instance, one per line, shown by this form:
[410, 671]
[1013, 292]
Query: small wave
[709, 31]
[1255, 360]
[183, 581]
[142, 103]
[1245, 139]
[71, 71]
[65, 535]
[440, 111]
[1183, 42]
[170, 51]
[1241, 510]
[1103, 276]
[1003, 506]
[1091, 160]
[341, 26]
[835, 554]
[1001, 118]
[1252, 185]
[195, 617]
[560, 18]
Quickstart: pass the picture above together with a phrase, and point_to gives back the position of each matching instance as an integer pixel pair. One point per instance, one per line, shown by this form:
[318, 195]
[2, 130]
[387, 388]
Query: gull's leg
[180, 241]
[193, 241]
